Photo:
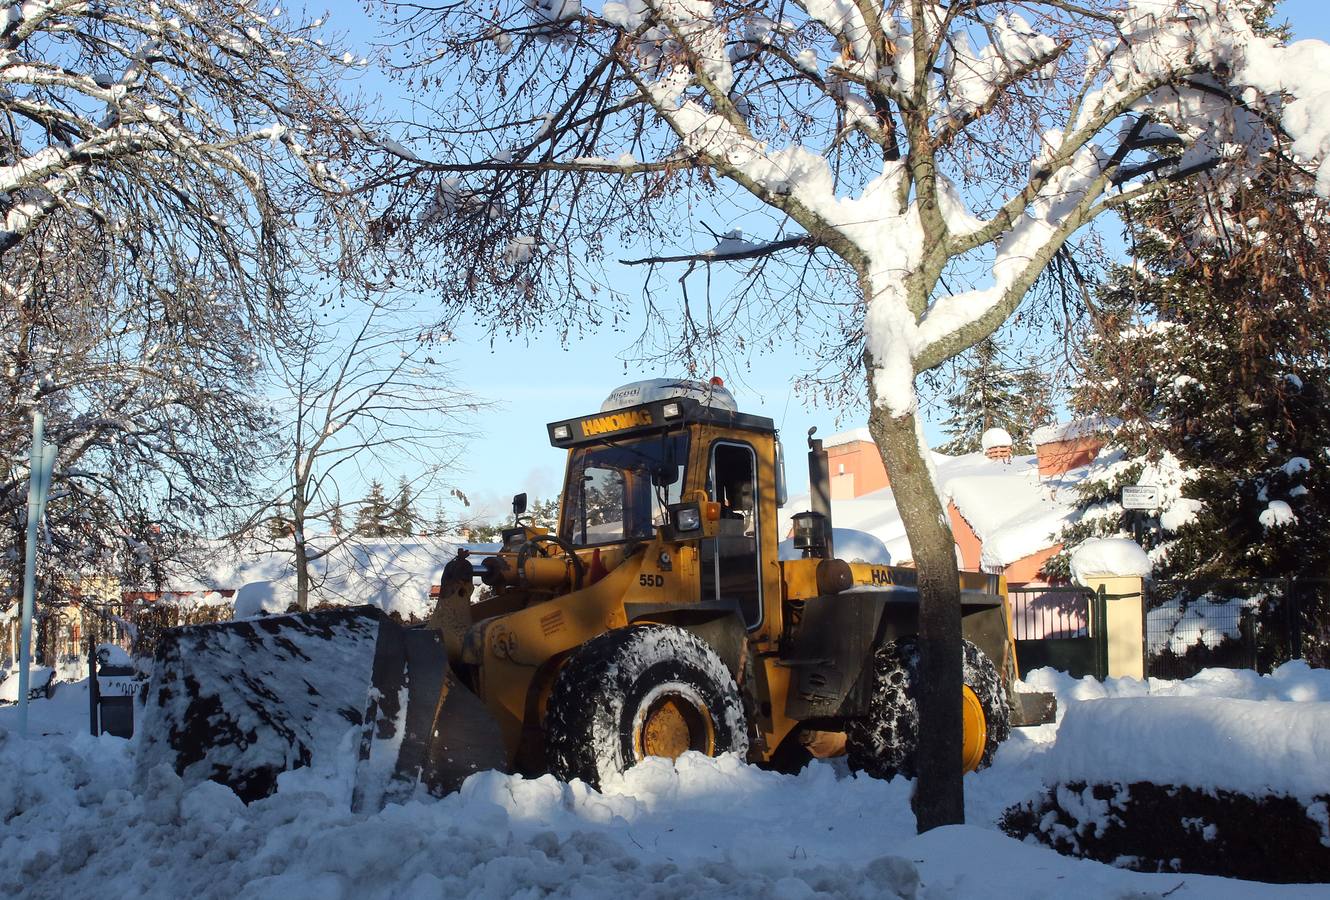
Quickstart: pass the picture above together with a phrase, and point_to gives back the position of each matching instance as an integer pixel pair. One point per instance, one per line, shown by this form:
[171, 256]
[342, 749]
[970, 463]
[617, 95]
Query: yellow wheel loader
[657, 618]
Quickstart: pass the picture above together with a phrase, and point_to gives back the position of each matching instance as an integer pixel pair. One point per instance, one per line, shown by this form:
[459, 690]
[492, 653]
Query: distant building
[1006, 510]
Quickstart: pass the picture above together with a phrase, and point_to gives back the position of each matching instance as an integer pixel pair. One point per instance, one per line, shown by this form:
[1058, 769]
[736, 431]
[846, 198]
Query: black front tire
[885, 742]
[611, 688]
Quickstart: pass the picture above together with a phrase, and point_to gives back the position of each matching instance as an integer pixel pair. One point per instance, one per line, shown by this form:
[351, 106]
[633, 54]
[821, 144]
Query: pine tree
[1216, 359]
[373, 517]
[1036, 405]
[988, 397]
[439, 524]
[404, 519]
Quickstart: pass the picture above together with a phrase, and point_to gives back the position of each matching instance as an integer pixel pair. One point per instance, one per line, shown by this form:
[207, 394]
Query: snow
[1011, 509]
[1248, 746]
[1277, 513]
[690, 828]
[851, 436]
[1184, 622]
[394, 574]
[519, 250]
[995, 437]
[38, 678]
[1073, 430]
[850, 545]
[1108, 556]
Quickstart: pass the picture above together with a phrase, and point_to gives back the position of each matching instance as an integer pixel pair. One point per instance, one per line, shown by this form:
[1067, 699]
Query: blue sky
[537, 380]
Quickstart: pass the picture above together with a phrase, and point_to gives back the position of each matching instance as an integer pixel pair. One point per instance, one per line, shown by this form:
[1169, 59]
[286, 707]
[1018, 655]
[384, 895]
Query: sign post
[1140, 496]
[41, 462]
[1142, 500]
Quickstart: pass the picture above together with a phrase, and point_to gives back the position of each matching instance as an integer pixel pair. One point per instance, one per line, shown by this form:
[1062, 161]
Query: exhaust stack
[819, 487]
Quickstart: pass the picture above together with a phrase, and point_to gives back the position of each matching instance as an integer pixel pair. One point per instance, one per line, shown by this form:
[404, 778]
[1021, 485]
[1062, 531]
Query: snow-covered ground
[73, 822]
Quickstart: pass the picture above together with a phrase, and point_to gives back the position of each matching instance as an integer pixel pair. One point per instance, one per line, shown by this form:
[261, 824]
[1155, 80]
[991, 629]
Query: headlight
[670, 410]
[689, 518]
[562, 433]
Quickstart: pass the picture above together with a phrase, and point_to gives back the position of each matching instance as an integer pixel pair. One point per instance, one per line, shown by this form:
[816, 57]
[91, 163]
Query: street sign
[1140, 496]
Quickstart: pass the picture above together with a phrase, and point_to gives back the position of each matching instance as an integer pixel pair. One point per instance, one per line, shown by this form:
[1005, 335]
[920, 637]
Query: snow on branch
[908, 139]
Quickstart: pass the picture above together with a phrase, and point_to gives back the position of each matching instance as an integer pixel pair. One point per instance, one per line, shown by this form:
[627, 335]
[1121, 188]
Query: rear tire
[885, 742]
[644, 690]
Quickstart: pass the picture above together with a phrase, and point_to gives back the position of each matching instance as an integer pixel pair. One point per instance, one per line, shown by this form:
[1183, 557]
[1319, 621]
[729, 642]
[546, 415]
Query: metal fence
[1232, 623]
[1045, 613]
[1060, 627]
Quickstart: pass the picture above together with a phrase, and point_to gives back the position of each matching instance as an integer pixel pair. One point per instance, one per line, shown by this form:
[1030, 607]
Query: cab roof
[658, 415]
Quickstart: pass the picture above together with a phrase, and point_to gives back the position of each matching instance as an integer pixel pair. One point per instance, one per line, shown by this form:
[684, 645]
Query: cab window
[619, 491]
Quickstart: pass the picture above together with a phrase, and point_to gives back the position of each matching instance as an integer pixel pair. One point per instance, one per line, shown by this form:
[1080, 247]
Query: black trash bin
[115, 691]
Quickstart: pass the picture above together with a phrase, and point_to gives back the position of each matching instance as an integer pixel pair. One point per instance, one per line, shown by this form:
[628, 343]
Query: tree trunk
[939, 792]
[302, 576]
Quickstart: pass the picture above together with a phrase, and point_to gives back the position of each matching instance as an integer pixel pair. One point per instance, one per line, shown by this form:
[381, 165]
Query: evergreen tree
[439, 524]
[1035, 404]
[1215, 357]
[373, 519]
[404, 519]
[988, 397]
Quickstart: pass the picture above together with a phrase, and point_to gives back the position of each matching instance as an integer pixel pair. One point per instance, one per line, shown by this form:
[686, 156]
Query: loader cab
[632, 467]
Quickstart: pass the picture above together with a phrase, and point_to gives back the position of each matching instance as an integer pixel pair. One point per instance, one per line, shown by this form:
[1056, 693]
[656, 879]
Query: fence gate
[1064, 628]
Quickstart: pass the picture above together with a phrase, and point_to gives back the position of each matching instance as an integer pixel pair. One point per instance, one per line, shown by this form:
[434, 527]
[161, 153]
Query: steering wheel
[533, 546]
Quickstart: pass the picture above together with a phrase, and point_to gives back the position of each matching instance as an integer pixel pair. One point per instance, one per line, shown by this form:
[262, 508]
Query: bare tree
[362, 398]
[916, 166]
[170, 188]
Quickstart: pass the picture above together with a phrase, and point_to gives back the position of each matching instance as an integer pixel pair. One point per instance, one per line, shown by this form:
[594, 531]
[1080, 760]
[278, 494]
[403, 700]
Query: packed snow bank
[73, 821]
[1108, 556]
[1247, 746]
[1294, 681]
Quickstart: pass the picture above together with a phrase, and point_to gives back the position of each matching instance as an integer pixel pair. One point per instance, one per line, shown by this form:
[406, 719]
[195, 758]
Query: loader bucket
[345, 690]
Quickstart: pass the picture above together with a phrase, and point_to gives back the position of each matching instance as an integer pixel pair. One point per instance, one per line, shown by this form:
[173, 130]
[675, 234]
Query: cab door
[730, 563]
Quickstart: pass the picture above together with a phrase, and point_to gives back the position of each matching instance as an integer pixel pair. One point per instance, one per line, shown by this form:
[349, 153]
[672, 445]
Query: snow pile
[995, 437]
[1238, 745]
[1108, 556]
[74, 821]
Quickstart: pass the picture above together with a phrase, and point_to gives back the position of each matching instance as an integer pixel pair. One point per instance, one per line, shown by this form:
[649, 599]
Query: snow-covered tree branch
[935, 156]
[171, 190]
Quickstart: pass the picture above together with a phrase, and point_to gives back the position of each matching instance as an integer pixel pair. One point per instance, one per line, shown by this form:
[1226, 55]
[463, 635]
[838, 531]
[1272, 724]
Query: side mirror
[665, 475]
[667, 472]
[519, 504]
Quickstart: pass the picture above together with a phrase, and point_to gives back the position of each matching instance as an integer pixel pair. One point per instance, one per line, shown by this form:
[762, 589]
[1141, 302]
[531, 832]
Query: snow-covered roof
[1013, 511]
[394, 574]
[1070, 431]
[841, 438]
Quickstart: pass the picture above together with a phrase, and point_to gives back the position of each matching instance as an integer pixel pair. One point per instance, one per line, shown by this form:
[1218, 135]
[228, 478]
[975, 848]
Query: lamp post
[41, 462]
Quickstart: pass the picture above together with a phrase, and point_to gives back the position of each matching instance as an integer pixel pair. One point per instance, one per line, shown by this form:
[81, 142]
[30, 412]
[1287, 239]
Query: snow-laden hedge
[1189, 783]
